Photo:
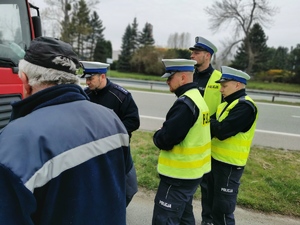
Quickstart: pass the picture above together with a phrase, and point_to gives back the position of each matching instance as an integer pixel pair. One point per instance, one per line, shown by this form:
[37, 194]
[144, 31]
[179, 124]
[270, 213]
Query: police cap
[177, 65]
[92, 68]
[231, 74]
[203, 44]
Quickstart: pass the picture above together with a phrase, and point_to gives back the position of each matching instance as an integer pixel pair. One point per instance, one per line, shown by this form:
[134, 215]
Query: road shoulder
[140, 210]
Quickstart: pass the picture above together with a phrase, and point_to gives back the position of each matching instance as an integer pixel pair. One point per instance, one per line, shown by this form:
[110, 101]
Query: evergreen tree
[258, 42]
[240, 58]
[66, 27]
[103, 50]
[134, 35]
[258, 53]
[146, 36]
[294, 61]
[95, 36]
[126, 51]
[271, 53]
[279, 59]
[81, 28]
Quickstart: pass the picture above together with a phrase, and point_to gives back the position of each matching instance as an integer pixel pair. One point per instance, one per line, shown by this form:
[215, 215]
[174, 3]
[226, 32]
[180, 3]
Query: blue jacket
[63, 160]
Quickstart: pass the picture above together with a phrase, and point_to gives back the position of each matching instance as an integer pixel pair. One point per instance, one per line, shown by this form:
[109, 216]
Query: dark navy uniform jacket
[120, 100]
[201, 78]
[60, 166]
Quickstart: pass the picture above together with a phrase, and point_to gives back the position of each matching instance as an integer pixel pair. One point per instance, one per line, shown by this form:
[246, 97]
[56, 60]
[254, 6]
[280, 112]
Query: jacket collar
[54, 95]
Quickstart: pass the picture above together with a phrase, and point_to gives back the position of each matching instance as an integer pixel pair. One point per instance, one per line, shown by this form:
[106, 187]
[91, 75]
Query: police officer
[232, 129]
[184, 141]
[206, 76]
[104, 92]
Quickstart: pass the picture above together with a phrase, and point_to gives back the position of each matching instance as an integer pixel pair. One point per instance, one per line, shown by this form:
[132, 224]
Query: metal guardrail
[157, 85]
[274, 94]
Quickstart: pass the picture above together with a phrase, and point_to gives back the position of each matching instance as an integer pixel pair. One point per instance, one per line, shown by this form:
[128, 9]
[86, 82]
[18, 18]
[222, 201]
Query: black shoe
[206, 223]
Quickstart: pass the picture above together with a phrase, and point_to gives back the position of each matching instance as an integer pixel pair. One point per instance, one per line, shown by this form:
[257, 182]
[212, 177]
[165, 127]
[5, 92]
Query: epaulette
[123, 90]
[243, 100]
[188, 102]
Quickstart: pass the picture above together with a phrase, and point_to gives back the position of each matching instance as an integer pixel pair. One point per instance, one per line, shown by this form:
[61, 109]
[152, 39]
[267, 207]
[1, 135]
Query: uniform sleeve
[179, 120]
[239, 119]
[130, 114]
[16, 201]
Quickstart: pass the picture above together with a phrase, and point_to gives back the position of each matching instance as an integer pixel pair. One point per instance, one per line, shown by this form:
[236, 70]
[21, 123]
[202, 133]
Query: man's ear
[27, 88]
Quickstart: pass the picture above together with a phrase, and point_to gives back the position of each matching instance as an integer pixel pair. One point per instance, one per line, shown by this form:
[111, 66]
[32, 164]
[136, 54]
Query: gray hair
[38, 75]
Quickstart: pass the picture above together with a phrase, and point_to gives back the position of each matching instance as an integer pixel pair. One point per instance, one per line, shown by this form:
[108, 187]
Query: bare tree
[240, 15]
[58, 13]
[180, 41]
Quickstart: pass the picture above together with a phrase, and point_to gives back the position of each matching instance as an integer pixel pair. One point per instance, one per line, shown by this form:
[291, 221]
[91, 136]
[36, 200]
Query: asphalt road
[277, 126]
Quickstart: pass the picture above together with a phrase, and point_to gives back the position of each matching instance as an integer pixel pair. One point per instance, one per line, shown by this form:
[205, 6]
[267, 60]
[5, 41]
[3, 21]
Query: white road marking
[257, 130]
[278, 133]
[152, 117]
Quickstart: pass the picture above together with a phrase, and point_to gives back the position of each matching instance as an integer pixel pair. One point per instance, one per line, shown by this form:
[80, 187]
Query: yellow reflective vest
[233, 150]
[191, 158]
[212, 94]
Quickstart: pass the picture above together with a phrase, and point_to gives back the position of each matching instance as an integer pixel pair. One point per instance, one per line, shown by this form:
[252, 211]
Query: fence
[259, 94]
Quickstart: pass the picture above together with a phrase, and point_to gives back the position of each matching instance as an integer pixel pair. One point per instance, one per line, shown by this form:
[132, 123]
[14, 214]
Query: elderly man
[57, 164]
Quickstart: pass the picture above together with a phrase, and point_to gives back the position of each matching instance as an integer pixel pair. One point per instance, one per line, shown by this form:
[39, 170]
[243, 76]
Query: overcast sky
[188, 16]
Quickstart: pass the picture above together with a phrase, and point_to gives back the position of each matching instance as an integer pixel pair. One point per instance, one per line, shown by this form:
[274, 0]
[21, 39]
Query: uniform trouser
[173, 202]
[225, 182]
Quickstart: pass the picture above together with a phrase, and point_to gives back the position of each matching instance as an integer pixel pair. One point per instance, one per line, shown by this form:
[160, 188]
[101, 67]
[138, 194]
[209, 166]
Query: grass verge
[271, 181]
[252, 84]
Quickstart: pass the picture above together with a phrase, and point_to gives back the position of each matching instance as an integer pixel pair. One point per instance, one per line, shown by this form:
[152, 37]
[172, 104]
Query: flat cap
[203, 44]
[91, 68]
[177, 65]
[230, 74]
[52, 53]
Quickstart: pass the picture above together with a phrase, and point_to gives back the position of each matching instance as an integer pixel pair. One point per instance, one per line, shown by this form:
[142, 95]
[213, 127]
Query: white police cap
[229, 74]
[91, 68]
[203, 44]
[177, 65]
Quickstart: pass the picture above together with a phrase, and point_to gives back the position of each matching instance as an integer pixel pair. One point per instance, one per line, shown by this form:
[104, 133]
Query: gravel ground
[139, 212]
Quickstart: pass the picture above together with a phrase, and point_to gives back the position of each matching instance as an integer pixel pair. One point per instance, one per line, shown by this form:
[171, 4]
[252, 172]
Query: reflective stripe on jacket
[191, 158]
[234, 150]
[212, 94]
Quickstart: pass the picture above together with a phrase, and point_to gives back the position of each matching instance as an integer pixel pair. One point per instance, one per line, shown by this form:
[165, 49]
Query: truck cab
[17, 29]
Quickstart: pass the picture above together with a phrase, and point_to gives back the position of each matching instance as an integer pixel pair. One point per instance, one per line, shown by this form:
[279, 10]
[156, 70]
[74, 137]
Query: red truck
[19, 24]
